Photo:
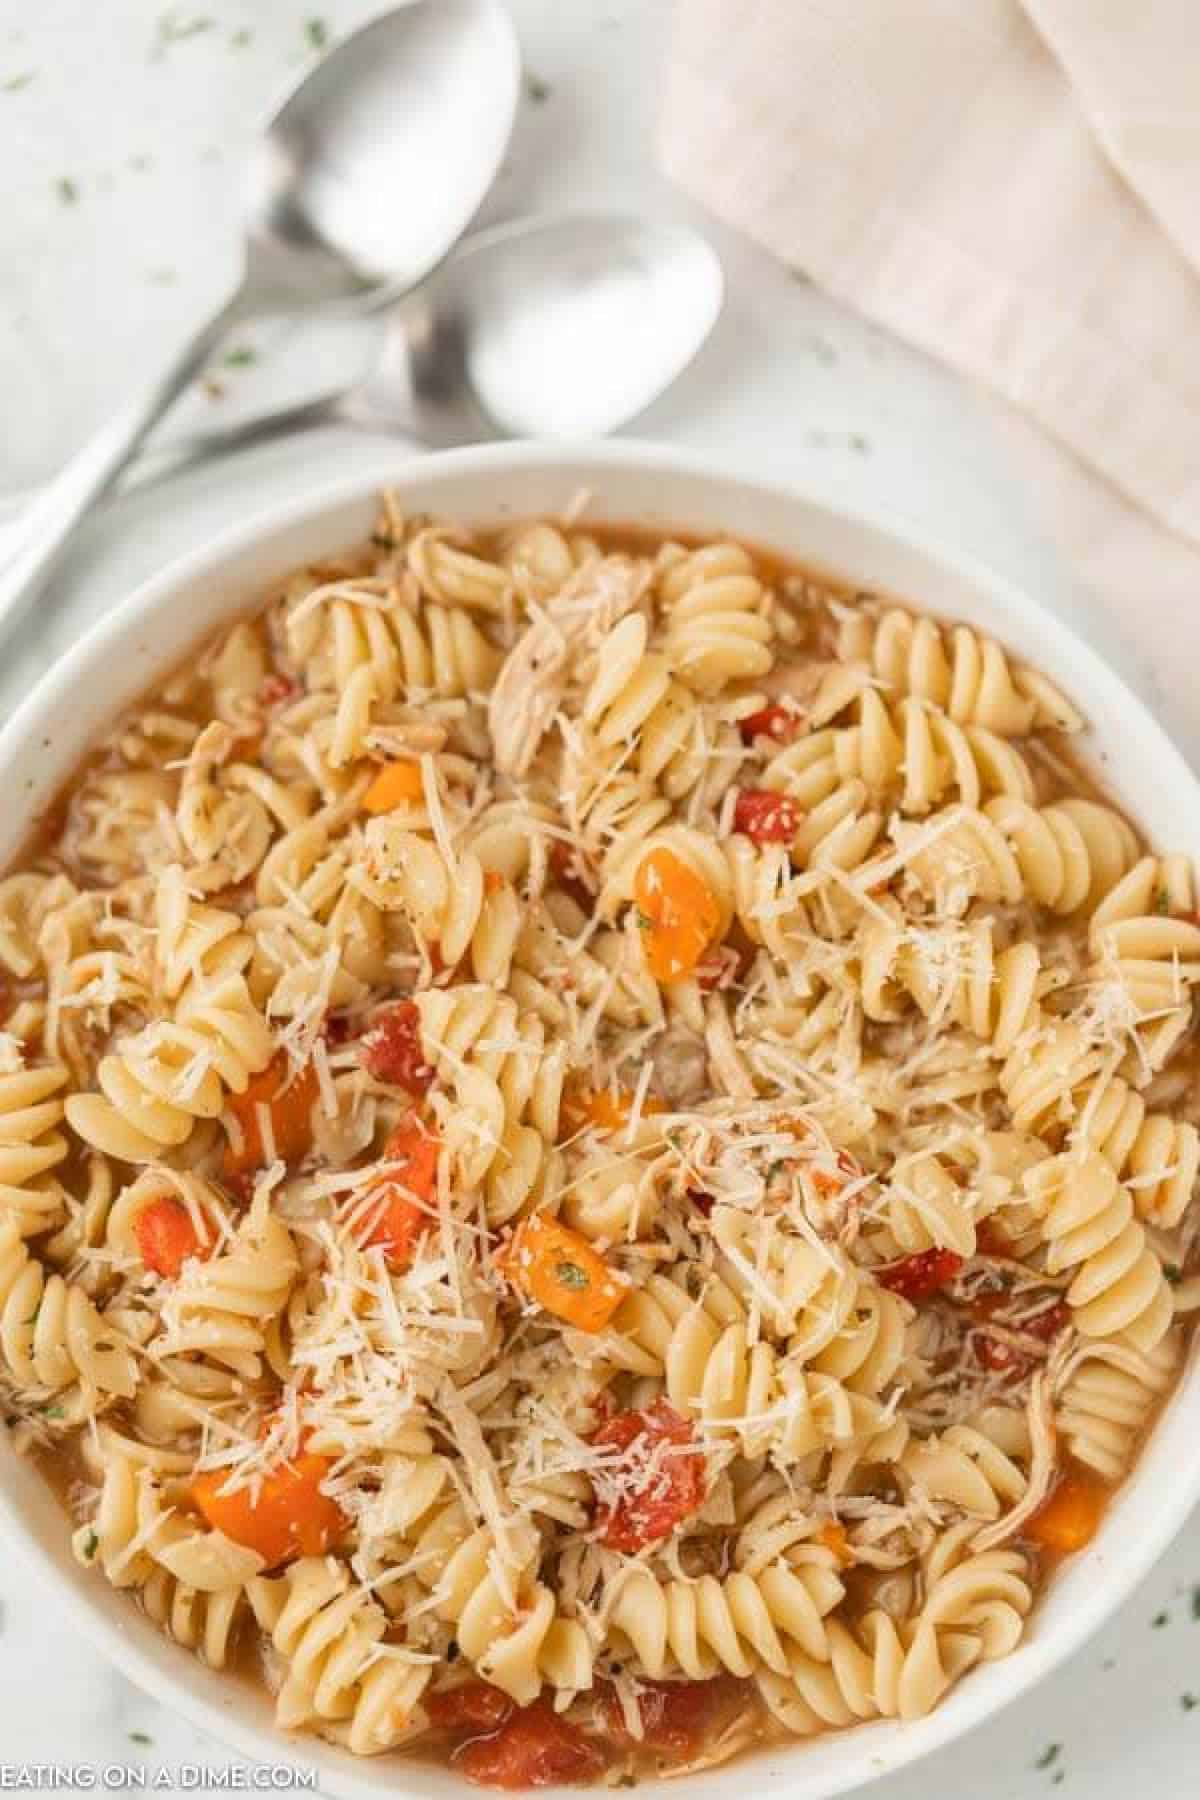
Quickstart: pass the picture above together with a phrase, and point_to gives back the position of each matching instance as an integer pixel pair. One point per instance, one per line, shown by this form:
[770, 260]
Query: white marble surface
[142, 111]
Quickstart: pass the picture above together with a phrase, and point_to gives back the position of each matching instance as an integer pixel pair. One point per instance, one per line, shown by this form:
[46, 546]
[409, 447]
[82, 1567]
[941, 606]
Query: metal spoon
[363, 180]
[548, 327]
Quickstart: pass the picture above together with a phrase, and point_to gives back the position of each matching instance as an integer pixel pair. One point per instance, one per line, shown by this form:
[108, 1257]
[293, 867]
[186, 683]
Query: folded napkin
[1013, 185]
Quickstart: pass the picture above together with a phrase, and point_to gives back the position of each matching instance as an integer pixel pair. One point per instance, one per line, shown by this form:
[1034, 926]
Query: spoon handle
[199, 447]
[52, 518]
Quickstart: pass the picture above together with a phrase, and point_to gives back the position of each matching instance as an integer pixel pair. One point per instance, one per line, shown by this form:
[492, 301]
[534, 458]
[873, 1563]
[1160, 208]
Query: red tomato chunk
[392, 1050]
[917, 1277]
[765, 817]
[166, 1236]
[474, 1707]
[1046, 1325]
[677, 1717]
[535, 1747]
[999, 1357]
[775, 722]
[663, 1476]
[277, 688]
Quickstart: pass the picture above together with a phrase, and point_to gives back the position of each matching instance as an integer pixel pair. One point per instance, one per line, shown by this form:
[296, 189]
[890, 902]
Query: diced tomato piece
[677, 1717]
[916, 1277]
[290, 1099]
[766, 817]
[399, 1210]
[166, 1236]
[1047, 1325]
[276, 688]
[990, 1240]
[573, 874]
[472, 1707]
[992, 1353]
[723, 966]
[392, 1050]
[1072, 1515]
[535, 1747]
[337, 1029]
[672, 1477]
[286, 1516]
[776, 722]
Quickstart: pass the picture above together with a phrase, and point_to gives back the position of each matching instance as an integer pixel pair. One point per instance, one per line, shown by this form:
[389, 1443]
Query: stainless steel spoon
[560, 327]
[364, 179]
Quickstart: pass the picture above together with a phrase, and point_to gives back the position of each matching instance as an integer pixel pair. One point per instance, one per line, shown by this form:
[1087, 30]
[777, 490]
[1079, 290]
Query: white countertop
[121, 126]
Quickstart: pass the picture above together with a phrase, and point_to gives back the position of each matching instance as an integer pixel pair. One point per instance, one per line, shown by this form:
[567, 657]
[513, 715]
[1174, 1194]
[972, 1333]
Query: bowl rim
[865, 1759]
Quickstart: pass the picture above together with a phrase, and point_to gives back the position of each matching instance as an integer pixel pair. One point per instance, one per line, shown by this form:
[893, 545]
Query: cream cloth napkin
[1013, 185]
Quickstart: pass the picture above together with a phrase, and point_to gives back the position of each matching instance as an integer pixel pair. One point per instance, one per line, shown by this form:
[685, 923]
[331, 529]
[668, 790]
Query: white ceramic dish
[153, 630]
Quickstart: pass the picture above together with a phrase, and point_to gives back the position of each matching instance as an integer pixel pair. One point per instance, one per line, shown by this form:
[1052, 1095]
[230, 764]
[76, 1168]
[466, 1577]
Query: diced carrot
[166, 1236]
[678, 914]
[493, 881]
[604, 1109]
[400, 1209]
[558, 1268]
[290, 1099]
[284, 1516]
[396, 784]
[1071, 1516]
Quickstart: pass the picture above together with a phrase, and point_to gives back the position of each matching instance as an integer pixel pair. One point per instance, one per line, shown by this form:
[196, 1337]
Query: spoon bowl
[367, 173]
[558, 327]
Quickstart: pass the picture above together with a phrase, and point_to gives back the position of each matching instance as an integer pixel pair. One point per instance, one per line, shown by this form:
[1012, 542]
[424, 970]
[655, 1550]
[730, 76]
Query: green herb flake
[1049, 1755]
[1189, 1702]
[239, 39]
[538, 91]
[172, 29]
[67, 190]
[53, 1412]
[570, 1275]
[1174, 1274]
[15, 83]
[91, 1544]
[1196, 1603]
[316, 31]
[241, 357]
[1160, 1619]
[140, 1737]
[1162, 904]
[644, 921]
[1058, 1777]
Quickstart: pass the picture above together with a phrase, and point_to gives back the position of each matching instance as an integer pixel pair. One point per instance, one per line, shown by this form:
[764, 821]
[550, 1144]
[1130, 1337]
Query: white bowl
[153, 631]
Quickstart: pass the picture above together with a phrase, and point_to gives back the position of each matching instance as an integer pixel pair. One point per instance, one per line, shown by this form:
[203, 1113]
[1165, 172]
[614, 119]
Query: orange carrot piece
[558, 1268]
[286, 1516]
[1071, 1516]
[166, 1236]
[291, 1102]
[678, 914]
[396, 784]
[606, 1110]
[400, 1211]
